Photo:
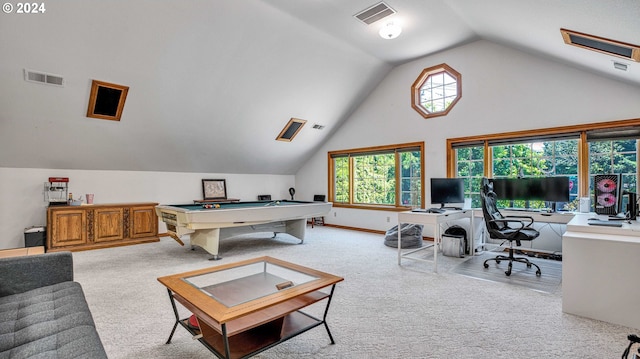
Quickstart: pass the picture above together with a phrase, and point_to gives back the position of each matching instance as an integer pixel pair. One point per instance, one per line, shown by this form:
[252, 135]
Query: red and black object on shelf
[607, 194]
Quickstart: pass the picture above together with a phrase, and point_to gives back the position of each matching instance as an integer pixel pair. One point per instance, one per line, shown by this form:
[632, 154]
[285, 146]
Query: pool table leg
[207, 239]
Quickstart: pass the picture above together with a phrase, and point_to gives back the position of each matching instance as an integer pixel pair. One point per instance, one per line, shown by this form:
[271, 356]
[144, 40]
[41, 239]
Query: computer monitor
[447, 190]
[548, 189]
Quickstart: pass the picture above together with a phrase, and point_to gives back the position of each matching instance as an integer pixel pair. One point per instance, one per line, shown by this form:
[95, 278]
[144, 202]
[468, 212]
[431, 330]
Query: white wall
[502, 90]
[23, 205]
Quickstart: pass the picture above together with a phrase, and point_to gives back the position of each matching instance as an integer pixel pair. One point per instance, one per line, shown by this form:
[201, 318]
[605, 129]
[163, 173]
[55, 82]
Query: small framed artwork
[214, 189]
[106, 100]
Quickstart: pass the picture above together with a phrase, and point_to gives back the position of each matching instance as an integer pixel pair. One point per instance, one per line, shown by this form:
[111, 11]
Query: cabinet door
[68, 227]
[144, 222]
[108, 224]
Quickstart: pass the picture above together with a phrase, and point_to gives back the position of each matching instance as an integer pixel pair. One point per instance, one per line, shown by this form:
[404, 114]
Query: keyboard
[599, 222]
[435, 210]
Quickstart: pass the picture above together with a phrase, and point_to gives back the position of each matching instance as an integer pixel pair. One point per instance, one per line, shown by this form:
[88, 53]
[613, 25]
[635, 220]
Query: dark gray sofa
[43, 312]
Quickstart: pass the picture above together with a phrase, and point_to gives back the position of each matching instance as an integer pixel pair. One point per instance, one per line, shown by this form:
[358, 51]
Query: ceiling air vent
[374, 13]
[291, 129]
[43, 78]
[619, 66]
[602, 45]
[317, 127]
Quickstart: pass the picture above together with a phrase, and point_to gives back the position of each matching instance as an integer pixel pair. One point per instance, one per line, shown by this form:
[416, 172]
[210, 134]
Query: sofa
[43, 312]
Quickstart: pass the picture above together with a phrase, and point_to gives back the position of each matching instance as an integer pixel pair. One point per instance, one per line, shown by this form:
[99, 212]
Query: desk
[206, 226]
[600, 267]
[538, 216]
[436, 220]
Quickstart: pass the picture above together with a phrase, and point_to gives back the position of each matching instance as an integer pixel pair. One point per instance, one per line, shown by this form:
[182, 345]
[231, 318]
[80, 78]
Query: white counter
[600, 271]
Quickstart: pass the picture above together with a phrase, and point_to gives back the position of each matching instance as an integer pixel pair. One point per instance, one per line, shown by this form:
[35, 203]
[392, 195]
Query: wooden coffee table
[247, 307]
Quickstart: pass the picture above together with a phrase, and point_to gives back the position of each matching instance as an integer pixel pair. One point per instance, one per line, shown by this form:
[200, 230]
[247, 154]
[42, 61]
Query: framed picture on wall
[214, 189]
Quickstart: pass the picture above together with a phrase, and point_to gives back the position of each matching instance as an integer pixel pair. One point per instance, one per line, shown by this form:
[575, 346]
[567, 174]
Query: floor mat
[550, 281]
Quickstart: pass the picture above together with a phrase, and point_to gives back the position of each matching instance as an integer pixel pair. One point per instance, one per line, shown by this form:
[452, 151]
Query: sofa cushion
[48, 322]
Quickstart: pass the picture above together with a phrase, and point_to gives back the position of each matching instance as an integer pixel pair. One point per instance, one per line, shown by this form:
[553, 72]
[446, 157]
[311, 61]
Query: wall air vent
[43, 78]
[318, 127]
[374, 13]
[291, 129]
[619, 66]
[602, 45]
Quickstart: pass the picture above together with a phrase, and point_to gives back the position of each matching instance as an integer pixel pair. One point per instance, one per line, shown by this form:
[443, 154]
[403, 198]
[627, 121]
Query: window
[470, 166]
[579, 152]
[436, 91]
[378, 177]
[538, 158]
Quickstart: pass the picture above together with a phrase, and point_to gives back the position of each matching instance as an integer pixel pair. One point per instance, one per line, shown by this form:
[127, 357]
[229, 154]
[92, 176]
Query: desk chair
[499, 227]
[318, 220]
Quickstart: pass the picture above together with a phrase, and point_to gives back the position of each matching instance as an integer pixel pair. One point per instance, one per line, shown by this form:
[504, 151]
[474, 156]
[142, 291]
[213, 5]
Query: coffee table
[246, 307]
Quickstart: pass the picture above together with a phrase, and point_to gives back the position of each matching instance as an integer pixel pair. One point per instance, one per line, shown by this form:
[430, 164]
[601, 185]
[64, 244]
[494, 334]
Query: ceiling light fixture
[390, 31]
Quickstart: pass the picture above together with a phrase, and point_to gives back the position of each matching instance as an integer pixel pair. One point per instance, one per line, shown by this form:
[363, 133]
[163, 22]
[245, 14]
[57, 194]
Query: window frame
[583, 132]
[420, 81]
[397, 149]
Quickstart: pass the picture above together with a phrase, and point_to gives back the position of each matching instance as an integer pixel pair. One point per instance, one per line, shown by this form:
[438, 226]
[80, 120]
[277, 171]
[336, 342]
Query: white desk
[436, 220]
[600, 268]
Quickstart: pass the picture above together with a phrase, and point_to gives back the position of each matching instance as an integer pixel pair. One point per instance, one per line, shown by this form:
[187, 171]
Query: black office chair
[318, 220]
[498, 228]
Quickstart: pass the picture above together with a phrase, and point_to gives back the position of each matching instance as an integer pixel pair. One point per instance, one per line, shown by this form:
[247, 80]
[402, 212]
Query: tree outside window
[470, 166]
[389, 176]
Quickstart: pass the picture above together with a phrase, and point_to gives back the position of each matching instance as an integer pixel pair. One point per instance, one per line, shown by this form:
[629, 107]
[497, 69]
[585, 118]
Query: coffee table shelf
[258, 318]
[252, 341]
[241, 312]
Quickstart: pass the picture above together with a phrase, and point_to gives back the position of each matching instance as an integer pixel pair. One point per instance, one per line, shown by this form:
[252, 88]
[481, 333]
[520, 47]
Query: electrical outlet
[334, 214]
[388, 219]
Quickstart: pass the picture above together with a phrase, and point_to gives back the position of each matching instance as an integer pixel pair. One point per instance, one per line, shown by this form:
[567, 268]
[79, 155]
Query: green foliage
[374, 178]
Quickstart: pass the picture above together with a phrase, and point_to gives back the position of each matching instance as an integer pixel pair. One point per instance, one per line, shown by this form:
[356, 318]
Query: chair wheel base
[512, 259]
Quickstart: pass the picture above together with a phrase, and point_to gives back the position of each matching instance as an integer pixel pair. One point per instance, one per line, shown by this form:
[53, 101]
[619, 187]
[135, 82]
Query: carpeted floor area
[549, 282]
[380, 310]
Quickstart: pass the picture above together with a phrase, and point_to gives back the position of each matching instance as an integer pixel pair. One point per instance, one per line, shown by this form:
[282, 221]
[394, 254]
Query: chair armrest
[523, 217]
[21, 274]
[507, 220]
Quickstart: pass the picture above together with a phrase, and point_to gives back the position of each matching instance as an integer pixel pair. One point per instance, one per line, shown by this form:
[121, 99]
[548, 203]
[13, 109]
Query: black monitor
[447, 190]
[548, 189]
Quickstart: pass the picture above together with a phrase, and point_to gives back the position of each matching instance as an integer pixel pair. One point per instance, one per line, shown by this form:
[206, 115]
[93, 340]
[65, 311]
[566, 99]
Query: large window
[378, 177]
[538, 158]
[578, 152]
[470, 166]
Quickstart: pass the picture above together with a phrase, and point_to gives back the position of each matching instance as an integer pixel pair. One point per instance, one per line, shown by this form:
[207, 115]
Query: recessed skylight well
[601, 45]
[291, 129]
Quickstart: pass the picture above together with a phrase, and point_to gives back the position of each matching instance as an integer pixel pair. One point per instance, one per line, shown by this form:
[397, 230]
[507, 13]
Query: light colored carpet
[380, 310]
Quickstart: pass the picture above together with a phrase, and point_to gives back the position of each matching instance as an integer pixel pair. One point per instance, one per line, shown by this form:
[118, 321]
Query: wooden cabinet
[100, 226]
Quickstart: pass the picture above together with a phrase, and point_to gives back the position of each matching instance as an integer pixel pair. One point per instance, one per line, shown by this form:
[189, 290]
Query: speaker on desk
[607, 194]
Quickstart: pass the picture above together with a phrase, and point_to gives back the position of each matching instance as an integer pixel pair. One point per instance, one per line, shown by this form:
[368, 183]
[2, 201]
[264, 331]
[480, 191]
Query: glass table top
[241, 284]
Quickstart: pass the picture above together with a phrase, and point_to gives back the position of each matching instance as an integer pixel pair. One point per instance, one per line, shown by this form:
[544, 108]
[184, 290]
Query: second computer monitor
[447, 190]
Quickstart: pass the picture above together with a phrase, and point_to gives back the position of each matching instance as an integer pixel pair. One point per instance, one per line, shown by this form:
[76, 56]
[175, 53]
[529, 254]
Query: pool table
[207, 226]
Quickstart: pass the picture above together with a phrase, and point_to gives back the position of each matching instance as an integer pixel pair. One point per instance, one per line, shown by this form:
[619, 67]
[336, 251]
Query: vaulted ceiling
[213, 82]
